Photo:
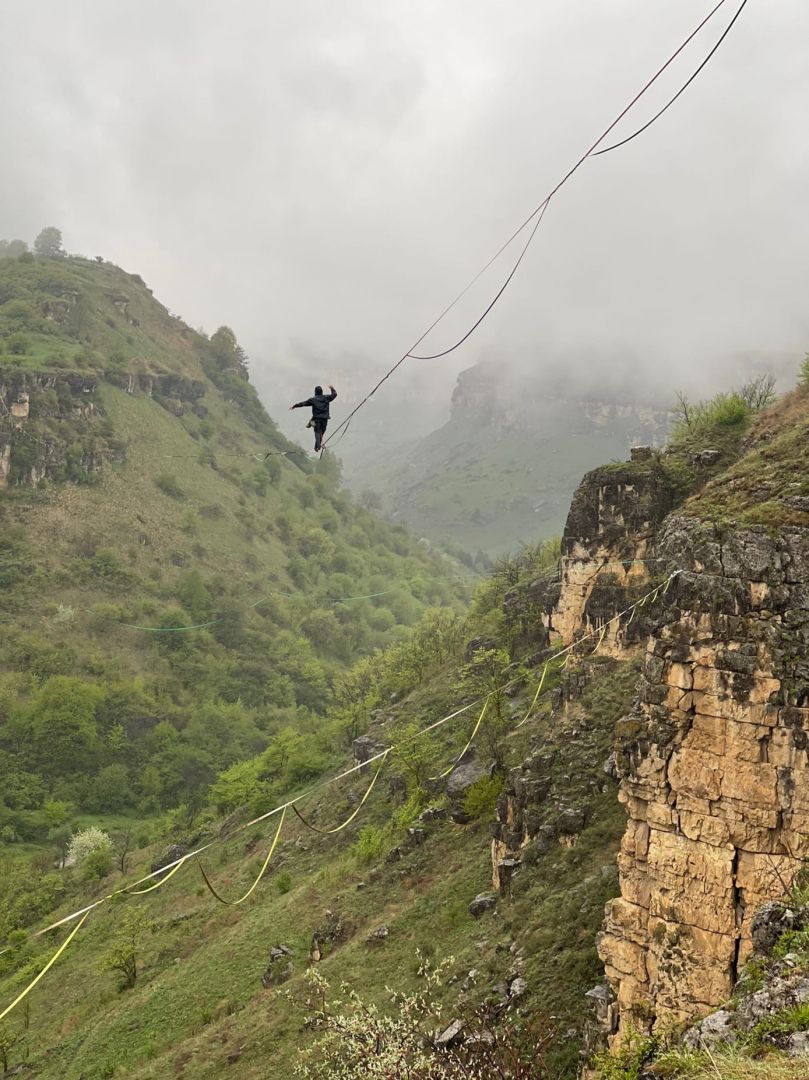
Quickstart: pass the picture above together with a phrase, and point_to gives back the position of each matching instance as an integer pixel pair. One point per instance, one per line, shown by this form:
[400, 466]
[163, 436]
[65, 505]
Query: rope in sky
[536, 213]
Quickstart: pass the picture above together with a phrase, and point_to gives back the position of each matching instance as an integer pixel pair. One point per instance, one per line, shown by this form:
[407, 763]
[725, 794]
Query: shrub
[18, 345]
[804, 372]
[369, 844]
[168, 484]
[84, 843]
[358, 1039]
[283, 882]
[481, 798]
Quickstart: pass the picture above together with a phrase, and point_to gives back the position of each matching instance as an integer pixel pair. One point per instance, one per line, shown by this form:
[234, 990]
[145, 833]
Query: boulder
[466, 773]
[378, 936]
[707, 457]
[482, 903]
[476, 645]
[452, 1035]
[279, 967]
[169, 855]
[798, 1045]
[769, 923]
[640, 453]
[366, 747]
[716, 1028]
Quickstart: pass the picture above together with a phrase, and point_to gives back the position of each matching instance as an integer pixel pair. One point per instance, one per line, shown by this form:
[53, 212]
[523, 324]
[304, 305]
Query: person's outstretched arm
[333, 393]
[300, 404]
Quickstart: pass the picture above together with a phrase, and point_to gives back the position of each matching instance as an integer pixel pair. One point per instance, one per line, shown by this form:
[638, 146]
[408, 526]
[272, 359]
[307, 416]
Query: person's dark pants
[320, 431]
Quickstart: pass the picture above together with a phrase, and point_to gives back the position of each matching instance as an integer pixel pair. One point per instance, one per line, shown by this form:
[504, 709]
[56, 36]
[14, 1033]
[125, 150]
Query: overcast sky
[324, 175]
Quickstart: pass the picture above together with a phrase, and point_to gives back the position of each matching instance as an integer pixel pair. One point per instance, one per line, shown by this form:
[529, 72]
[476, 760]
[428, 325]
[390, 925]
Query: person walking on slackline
[319, 403]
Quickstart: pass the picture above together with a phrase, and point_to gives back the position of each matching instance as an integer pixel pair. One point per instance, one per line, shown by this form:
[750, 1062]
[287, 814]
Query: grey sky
[324, 176]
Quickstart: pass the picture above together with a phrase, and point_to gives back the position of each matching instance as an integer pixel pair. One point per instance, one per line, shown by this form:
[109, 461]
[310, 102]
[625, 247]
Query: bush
[481, 798]
[283, 882]
[357, 1039]
[168, 484]
[369, 844]
[83, 844]
[804, 372]
[126, 943]
[725, 412]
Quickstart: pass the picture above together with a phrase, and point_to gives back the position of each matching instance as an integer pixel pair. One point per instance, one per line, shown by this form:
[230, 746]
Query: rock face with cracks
[713, 768]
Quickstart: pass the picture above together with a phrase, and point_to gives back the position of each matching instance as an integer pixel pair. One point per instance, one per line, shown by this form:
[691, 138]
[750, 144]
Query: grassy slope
[200, 999]
[768, 485]
[157, 537]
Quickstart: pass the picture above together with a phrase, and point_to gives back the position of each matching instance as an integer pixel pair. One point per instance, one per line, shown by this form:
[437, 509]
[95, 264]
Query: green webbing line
[163, 629]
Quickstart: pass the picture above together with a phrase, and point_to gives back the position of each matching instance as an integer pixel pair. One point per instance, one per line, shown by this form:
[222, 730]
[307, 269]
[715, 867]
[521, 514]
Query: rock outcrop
[714, 770]
[609, 551]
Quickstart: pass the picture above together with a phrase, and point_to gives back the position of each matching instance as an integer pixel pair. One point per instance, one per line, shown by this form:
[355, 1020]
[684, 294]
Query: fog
[325, 176]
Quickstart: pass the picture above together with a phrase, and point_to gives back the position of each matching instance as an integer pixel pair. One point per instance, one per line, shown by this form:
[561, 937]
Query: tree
[61, 726]
[125, 945]
[12, 249]
[84, 843]
[8, 1040]
[228, 353]
[48, 245]
[486, 675]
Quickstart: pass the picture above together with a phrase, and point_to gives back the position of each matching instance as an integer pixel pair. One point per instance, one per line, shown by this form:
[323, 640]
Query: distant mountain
[502, 469]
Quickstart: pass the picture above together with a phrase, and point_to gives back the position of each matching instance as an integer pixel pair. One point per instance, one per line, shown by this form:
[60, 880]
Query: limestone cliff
[714, 769]
[608, 550]
[713, 758]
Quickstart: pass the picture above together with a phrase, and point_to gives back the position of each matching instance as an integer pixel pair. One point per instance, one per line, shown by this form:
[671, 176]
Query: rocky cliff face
[713, 758]
[714, 769]
[53, 427]
[608, 550]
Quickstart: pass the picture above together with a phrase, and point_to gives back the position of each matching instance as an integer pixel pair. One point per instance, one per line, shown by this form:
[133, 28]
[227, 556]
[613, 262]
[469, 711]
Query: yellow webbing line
[163, 880]
[261, 873]
[348, 820]
[47, 967]
[536, 695]
[469, 741]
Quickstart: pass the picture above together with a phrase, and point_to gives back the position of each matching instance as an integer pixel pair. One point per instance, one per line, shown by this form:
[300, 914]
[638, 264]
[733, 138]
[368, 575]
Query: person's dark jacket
[319, 403]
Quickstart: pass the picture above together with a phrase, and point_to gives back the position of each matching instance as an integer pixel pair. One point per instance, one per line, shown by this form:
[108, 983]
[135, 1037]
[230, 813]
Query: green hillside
[379, 897]
[502, 471]
[290, 632]
[143, 485]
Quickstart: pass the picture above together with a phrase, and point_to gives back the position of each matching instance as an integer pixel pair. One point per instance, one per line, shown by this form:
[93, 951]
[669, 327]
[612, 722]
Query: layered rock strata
[714, 770]
[608, 551]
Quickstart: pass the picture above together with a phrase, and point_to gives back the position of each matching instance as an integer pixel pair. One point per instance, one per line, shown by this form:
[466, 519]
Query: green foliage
[773, 1030]
[358, 1038]
[283, 882]
[126, 944]
[630, 1062]
[481, 798]
[14, 564]
[723, 418]
[803, 375]
[48, 244]
[370, 844]
[88, 843]
[169, 485]
[508, 572]
[486, 676]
